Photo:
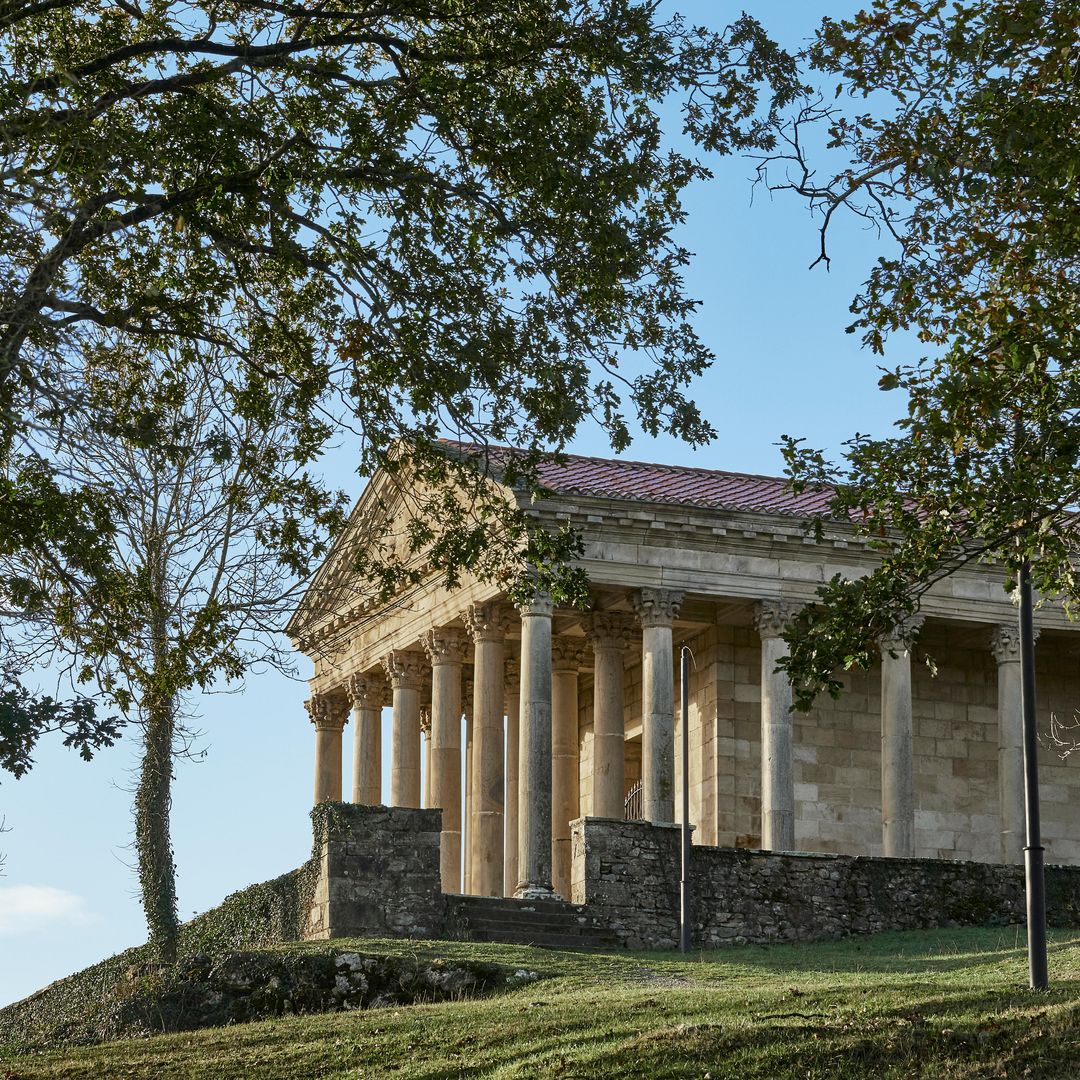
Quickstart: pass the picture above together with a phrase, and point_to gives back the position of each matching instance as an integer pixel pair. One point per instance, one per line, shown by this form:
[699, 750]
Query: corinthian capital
[610, 630]
[567, 653]
[486, 622]
[1005, 643]
[771, 618]
[405, 668]
[328, 712]
[445, 645]
[367, 691]
[657, 607]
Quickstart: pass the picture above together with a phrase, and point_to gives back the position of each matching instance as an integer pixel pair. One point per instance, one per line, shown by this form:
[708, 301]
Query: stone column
[567, 655]
[487, 625]
[405, 670]
[1005, 644]
[534, 777]
[329, 713]
[777, 764]
[609, 636]
[657, 609]
[367, 694]
[897, 755]
[445, 648]
[425, 734]
[467, 823]
[512, 687]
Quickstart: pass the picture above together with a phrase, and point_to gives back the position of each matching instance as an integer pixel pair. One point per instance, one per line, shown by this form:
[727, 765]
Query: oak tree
[955, 128]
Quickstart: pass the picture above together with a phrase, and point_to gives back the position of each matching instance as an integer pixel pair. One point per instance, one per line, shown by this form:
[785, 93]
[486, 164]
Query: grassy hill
[940, 1004]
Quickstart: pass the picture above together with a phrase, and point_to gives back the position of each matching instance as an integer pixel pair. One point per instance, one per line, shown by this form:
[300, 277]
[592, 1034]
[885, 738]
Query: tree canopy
[956, 129]
[417, 217]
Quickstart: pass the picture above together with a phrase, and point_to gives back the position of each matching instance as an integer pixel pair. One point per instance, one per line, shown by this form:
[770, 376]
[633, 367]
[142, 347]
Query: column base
[535, 892]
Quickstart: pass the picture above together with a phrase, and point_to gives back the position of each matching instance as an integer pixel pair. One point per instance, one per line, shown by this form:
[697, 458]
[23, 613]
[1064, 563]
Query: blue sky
[784, 365]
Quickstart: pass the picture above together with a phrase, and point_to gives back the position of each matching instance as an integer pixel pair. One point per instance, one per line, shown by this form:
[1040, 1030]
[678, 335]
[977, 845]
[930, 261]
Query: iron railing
[632, 805]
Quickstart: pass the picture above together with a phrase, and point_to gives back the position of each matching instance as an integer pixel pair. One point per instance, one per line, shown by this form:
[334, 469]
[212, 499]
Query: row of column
[522, 846]
[897, 738]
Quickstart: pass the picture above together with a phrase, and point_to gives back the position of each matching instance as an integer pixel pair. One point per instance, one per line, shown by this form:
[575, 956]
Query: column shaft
[609, 635]
[467, 824]
[513, 735]
[425, 732]
[534, 777]
[1005, 643]
[486, 625]
[777, 757]
[367, 693]
[897, 758]
[446, 652]
[404, 669]
[566, 659]
[657, 608]
[329, 716]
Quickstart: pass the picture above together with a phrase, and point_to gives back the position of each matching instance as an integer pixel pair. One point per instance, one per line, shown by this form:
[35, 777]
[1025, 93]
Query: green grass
[940, 1004]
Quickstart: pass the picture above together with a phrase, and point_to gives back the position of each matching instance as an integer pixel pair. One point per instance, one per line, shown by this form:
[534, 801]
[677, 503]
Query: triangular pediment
[381, 521]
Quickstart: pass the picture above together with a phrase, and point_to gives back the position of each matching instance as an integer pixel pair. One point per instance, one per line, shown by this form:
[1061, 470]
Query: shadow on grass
[909, 952]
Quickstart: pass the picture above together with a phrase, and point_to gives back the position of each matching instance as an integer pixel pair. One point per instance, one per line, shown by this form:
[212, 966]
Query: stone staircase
[550, 924]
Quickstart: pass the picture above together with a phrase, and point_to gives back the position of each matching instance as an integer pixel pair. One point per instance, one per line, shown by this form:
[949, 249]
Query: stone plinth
[378, 872]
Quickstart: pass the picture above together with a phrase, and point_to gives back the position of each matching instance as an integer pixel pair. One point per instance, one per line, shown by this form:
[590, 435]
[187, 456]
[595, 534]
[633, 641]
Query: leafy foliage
[959, 145]
[418, 217]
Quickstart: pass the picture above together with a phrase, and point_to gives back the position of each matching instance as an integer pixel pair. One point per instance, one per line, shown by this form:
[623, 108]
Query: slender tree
[207, 555]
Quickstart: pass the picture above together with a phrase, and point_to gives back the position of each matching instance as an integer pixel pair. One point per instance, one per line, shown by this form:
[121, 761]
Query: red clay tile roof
[614, 478]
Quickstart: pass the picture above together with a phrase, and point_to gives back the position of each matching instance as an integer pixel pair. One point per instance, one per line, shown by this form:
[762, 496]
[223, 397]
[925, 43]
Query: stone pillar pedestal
[777, 760]
[512, 688]
[534, 777]
[897, 755]
[367, 694]
[445, 648]
[657, 609]
[610, 633]
[487, 625]
[404, 670]
[566, 658]
[1005, 644]
[329, 714]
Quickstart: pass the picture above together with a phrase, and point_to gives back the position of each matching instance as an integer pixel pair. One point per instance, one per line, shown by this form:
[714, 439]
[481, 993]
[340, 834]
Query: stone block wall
[378, 872]
[837, 750]
[628, 873]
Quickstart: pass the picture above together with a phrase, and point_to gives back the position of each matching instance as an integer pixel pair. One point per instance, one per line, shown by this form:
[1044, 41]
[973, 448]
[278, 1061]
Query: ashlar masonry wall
[837, 749]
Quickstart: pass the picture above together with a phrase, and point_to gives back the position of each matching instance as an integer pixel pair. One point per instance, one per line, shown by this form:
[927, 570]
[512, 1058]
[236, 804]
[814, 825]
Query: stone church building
[529, 718]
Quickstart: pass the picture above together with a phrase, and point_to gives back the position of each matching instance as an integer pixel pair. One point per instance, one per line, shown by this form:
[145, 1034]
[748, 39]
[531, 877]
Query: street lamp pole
[1035, 885]
[684, 880]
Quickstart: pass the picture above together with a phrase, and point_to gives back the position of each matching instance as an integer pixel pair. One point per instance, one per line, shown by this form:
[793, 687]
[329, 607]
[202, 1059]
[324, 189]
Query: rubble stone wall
[628, 872]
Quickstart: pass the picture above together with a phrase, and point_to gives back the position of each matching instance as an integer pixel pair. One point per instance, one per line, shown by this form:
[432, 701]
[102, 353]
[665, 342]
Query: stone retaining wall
[628, 872]
[378, 872]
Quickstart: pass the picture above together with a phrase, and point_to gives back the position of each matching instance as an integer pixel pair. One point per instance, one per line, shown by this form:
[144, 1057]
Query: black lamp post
[1035, 885]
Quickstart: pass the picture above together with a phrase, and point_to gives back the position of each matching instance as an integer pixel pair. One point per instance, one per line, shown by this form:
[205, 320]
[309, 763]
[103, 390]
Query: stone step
[548, 940]
[508, 903]
[549, 923]
[535, 928]
[526, 918]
